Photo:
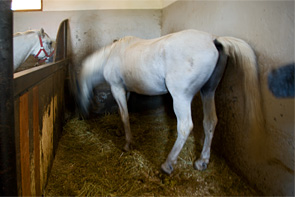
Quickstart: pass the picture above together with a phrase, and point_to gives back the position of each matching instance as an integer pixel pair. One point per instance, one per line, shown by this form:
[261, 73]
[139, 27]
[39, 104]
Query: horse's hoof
[127, 147]
[167, 168]
[119, 133]
[200, 165]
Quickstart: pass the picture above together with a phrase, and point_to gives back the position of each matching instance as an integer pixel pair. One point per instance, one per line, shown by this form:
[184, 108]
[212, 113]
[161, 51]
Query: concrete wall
[268, 26]
[92, 29]
[62, 5]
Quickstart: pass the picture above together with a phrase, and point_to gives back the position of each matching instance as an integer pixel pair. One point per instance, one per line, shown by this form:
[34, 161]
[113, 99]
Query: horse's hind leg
[209, 123]
[182, 109]
[210, 118]
[119, 94]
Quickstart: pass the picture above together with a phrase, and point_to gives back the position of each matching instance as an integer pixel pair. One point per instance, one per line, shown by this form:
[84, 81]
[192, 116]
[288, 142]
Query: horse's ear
[42, 32]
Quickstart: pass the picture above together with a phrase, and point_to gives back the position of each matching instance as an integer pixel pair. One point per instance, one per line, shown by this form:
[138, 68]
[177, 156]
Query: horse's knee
[190, 126]
[184, 129]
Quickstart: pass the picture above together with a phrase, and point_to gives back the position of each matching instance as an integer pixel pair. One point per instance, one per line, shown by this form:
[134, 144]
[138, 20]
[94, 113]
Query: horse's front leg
[119, 94]
[182, 109]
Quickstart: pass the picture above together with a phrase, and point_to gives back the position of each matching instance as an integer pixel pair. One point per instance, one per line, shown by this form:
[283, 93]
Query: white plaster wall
[62, 5]
[90, 30]
[268, 26]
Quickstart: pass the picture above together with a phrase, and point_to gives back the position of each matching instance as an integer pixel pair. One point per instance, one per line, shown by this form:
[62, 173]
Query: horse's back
[172, 48]
[176, 47]
[145, 65]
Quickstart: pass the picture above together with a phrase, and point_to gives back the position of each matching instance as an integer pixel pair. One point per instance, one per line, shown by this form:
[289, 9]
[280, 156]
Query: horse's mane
[25, 33]
[124, 42]
[129, 39]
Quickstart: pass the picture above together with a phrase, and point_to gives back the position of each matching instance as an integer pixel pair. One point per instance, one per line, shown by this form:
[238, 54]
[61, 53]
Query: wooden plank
[17, 145]
[36, 139]
[61, 41]
[59, 52]
[65, 38]
[59, 106]
[46, 114]
[31, 141]
[29, 78]
[24, 145]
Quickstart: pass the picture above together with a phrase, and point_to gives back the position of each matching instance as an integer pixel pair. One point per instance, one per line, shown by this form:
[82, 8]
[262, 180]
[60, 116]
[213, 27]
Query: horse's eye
[50, 43]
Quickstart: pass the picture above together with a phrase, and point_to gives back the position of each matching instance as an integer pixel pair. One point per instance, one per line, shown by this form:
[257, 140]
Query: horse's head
[46, 50]
[81, 92]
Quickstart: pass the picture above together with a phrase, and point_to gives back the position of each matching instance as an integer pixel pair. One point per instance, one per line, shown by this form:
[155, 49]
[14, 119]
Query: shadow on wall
[281, 81]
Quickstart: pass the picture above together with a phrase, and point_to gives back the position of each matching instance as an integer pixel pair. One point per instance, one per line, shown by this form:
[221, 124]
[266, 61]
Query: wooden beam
[29, 78]
[24, 144]
[36, 139]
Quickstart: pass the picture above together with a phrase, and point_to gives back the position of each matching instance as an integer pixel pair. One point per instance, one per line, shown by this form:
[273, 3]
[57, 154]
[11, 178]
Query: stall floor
[90, 161]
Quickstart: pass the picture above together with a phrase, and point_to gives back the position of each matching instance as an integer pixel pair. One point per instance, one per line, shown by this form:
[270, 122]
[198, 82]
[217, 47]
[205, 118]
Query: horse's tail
[244, 56]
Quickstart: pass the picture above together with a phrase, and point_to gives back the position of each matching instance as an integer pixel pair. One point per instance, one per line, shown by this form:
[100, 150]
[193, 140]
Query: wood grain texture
[24, 144]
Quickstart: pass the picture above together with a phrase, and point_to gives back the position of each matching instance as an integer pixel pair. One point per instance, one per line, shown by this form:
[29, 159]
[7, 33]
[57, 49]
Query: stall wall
[268, 26]
[62, 5]
[92, 29]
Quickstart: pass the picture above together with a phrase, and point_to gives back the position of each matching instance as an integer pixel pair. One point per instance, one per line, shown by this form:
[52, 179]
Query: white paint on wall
[63, 5]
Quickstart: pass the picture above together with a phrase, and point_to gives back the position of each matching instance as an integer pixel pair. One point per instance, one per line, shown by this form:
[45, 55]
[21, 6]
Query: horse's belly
[145, 84]
[144, 72]
[145, 88]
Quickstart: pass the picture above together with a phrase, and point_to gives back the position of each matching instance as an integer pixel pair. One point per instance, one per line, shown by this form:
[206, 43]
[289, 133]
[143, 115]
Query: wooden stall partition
[61, 41]
[39, 116]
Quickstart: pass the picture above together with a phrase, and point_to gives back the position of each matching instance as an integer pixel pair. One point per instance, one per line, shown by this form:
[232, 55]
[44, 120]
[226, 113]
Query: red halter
[42, 49]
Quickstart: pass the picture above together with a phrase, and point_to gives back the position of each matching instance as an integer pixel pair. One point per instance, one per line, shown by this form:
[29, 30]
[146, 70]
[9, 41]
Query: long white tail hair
[244, 56]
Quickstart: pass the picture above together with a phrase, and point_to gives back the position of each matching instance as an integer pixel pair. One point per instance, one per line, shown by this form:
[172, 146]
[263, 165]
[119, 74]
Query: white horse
[32, 42]
[181, 64]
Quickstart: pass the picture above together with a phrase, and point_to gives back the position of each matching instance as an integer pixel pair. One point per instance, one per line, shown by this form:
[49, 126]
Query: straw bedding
[90, 161]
